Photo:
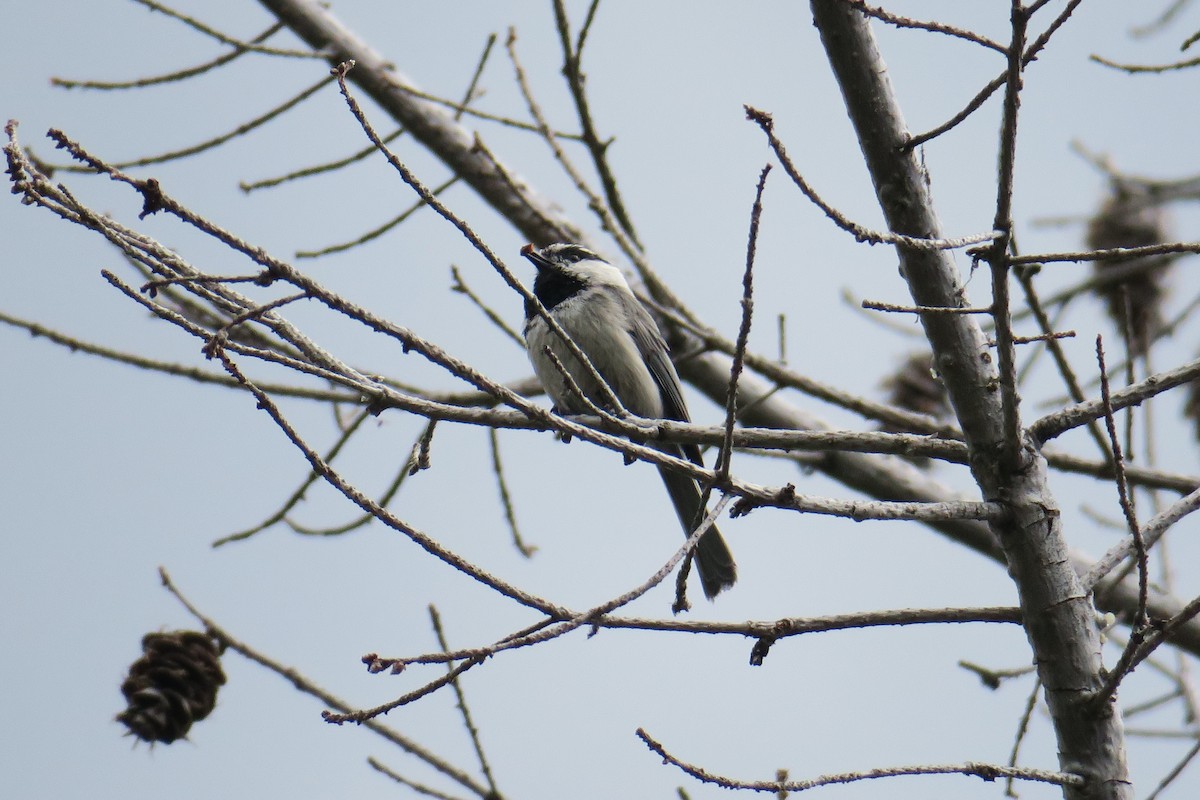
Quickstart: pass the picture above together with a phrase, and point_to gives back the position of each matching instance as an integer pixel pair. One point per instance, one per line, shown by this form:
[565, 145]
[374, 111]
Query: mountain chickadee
[593, 304]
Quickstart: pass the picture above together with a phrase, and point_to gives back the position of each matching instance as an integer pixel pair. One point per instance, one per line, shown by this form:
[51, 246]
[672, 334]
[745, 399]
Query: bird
[591, 301]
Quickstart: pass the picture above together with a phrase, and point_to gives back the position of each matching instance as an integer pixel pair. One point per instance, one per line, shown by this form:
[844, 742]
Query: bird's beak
[539, 261]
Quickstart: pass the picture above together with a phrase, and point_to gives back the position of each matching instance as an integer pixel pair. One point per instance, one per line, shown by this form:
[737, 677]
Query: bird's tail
[714, 562]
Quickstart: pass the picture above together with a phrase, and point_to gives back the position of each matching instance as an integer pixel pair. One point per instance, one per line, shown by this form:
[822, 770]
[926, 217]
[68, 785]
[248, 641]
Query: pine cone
[171, 686]
[1131, 218]
[915, 387]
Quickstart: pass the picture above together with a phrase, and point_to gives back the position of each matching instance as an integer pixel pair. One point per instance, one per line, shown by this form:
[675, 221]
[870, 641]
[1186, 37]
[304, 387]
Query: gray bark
[1059, 618]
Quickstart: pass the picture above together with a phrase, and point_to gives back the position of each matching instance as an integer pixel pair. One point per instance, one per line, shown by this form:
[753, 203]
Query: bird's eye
[574, 253]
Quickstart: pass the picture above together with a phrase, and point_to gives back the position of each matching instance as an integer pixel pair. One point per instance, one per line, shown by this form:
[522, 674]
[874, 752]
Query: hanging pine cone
[1131, 217]
[915, 387]
[171, 686]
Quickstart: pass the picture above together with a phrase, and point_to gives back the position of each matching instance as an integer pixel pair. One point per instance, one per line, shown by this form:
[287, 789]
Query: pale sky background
[112, 471]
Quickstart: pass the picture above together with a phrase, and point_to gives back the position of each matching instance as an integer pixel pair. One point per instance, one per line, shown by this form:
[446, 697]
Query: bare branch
[979, 99]
[997, 252]
[472, 731]
[460, 286]
[168, 368]
[1142, 69]
[572, 71]
[1150, 533]
[860, 233]
[378, 231]
[216, 141]
[936, 27]
[1110, 253]
[510, 511]
[1176, 771]
[419, 788]
[1059, 422]
[723, 460]
[195, 24]
[170, 77]
[988, 772]
[765, 629]
[306, 686]
[1135, 531]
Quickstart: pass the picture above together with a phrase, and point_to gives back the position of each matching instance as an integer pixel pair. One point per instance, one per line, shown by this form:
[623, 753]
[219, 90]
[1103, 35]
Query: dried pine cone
[171, 686]
[915, 387]
[1131, 218]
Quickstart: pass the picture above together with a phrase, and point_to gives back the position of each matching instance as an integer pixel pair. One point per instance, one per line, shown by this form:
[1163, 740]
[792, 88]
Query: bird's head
[574, 264]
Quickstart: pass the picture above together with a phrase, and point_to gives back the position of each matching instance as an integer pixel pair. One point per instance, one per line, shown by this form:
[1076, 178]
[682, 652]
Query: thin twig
[859, 232]
[1136, 476]
[510, 510]
[1160, 634]
[299, 493]
[781, 375]
[374, 233]
[418, 459]
[1022, 731]
[724, 459]
[555, 627]
[586, 28]
[1134, 709]
[1041, 337]
[419, 788]
[195, 24]
[1114, 253]
[306, 686]
[1033, 303]
[572, 71]
[1143, 69]
[1176, 771]
[997, 252]
[754, 629]
[1139, 543]
[463, 709]
[216, 141]
[221, 334]
[168, 368]
[1149, 533]
[170, 77]
[988, 772]
[460, 286]
[463, 109]
[576, 391]
[1161, 21]
[317, 169]
[936, 27]
[1063, 420]
[979, 99]
[379, 230]
[351, 493]
[878, 305]
[658, 289]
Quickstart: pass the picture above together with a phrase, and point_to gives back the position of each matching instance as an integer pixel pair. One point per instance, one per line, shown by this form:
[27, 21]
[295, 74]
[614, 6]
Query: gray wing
[653, 350]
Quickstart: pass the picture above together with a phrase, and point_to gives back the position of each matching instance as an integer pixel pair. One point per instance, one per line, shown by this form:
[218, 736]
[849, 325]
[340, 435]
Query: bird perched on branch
[592, 303]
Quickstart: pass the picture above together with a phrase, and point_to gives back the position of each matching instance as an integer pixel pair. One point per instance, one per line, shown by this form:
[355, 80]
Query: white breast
[588, 319]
